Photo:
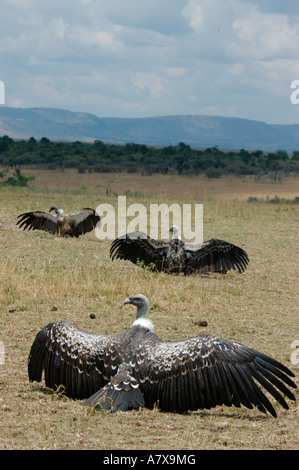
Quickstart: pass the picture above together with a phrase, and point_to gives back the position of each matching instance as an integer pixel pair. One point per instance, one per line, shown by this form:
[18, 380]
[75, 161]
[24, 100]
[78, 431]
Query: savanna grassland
[46, 278]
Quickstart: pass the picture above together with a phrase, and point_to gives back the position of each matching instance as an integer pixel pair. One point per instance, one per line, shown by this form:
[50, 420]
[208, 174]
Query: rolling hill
[197, 131]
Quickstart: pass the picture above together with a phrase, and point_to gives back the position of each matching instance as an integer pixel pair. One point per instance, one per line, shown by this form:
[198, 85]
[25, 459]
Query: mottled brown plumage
[72, 225]
[136, 368]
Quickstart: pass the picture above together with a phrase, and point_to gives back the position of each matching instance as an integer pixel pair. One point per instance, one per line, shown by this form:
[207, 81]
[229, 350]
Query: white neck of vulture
[145, 323]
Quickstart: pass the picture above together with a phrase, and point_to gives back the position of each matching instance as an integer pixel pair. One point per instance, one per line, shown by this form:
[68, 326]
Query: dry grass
[39, 271]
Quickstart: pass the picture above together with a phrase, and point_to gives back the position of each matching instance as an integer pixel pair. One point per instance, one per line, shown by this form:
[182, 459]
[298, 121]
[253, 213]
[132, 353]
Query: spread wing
[207, 371]
[138, 246]
[199, 373]
[84, 221]
[215, 256]
[38, 220]
[82, 362]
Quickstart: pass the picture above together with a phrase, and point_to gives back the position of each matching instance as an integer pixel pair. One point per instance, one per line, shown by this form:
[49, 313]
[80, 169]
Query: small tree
[18, 179]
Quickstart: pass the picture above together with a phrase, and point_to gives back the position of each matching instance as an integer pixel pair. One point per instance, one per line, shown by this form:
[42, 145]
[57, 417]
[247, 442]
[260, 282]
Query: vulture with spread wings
[136, 368]
[72, 225]
[175, 256]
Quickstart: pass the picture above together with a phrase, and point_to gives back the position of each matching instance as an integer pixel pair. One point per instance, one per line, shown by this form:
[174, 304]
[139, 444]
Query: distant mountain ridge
[196, 131]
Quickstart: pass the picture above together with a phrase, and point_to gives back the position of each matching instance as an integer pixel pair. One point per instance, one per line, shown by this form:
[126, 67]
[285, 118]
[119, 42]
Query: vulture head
[142, 304]
[55, 208]
[175, 230]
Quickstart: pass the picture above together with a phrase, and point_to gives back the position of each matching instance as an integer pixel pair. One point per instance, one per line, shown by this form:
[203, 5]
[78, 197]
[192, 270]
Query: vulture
[175, 256]
[135, 368]
[72, 225]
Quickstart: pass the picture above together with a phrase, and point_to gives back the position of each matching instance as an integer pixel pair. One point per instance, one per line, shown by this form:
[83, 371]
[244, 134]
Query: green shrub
[17, 179]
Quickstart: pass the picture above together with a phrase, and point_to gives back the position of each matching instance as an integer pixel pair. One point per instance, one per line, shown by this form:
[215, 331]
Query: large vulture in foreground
[61, 223]
[175, 256]
[135, 368]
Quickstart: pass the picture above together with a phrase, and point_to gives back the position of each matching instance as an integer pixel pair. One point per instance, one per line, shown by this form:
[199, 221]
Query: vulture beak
[128, 301]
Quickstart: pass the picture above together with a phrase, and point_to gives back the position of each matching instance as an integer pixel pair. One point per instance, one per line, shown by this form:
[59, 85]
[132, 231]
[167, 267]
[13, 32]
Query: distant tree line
[139, 158]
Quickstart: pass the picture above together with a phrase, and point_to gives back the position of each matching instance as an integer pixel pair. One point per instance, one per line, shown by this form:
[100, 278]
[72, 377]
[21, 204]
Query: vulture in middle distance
[175, 256]
[135, 368]
[72, 225]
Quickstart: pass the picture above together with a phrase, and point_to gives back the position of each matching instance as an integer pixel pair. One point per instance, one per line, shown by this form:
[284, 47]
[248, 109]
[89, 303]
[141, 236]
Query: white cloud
[236, 69]
[142, 58]
[164, 17]
[150, 81]
[265, 36]
[194, 14]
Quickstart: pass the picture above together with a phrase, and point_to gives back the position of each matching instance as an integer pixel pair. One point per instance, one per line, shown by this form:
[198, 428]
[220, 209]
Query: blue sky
[140, 58]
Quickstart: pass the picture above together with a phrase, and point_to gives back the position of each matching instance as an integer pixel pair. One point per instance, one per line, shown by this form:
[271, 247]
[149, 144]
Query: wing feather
[208, 371]
[216, 255]
[84, 221]
[138, 246]
[69, 356]
[38, 220]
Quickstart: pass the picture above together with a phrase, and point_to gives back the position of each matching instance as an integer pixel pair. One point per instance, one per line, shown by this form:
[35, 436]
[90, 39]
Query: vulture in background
[72, 225]
[135, 368]
[175, 256]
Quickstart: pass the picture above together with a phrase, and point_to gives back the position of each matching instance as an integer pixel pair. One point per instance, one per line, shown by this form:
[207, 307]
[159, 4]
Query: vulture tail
[121, 393]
